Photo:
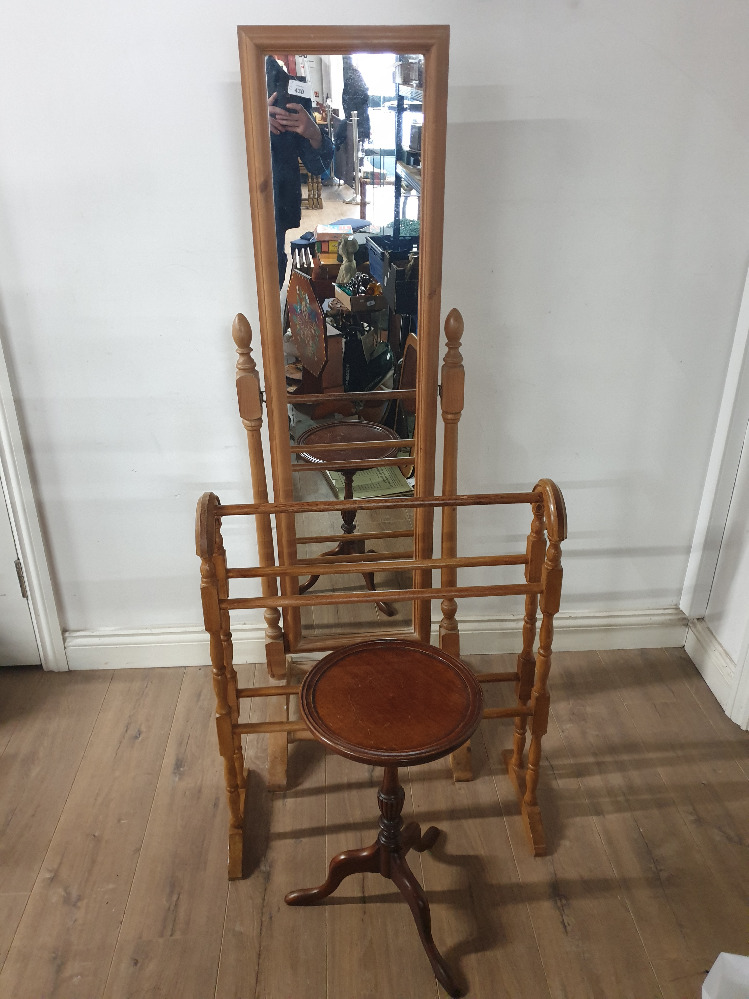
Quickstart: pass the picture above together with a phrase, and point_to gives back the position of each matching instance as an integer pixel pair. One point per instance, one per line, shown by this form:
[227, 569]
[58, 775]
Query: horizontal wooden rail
[366, 557]
[347, 564]
[351, 465]
[241, 572]
[516, 712]
[323, 539]
[296, 729]
[292, 398]
[303, 735]
[331, 642]
[380, 503]
[376, 596]
[387, 445]
[497, 677]
[257, 728]
[282, 690]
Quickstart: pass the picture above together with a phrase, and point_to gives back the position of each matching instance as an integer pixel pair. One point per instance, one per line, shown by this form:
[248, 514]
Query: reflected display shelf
[410, 174]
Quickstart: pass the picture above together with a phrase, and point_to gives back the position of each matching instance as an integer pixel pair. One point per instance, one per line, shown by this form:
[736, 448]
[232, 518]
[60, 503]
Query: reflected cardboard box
[360, 303]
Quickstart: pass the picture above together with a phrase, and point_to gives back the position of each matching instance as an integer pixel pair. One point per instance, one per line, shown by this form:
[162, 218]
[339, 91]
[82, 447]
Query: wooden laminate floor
[113, 849]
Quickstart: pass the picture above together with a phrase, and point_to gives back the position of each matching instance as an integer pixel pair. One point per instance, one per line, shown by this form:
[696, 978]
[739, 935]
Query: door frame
[729, 681]
[27, 531]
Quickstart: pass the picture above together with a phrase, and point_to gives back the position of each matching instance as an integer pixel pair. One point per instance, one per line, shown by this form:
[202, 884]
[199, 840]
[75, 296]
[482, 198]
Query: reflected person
[294, 136]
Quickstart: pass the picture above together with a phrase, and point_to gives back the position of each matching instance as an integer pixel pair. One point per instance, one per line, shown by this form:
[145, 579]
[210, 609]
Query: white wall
[596, 241]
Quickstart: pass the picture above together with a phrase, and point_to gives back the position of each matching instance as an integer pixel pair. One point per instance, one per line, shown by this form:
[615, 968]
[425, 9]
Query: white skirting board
[713, 662]
[647, 629]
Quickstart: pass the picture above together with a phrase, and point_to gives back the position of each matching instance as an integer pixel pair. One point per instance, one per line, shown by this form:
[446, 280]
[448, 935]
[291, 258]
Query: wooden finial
[248, 380]
[454, 327]
[241, 331]
[453, 374]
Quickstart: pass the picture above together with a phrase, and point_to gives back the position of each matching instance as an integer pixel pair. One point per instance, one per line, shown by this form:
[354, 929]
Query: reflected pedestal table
[348, 435]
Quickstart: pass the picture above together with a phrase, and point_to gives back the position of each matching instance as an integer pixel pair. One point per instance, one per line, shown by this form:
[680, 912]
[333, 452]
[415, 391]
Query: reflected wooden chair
[405, 410]
[314, 188]
[319, 349]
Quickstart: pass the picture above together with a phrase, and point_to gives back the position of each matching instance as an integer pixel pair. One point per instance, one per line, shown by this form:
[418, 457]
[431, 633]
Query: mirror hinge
[21, 579]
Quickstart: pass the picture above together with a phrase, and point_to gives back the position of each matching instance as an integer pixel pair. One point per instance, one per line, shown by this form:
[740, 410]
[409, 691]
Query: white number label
[297, 89]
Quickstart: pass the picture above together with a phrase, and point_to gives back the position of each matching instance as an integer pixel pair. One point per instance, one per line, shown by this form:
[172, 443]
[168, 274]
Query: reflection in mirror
[345, 137]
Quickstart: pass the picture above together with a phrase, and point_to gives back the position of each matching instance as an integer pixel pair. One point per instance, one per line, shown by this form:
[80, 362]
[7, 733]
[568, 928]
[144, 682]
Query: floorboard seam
[57, 823]
[520, 880]
[596, 826]
[145, 833]
[696, 845]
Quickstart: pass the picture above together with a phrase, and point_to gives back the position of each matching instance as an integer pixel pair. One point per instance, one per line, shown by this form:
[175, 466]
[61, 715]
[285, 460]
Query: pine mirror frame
[432, 42]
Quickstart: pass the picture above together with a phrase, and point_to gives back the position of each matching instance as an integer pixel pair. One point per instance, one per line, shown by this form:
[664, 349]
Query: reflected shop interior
[345, 136]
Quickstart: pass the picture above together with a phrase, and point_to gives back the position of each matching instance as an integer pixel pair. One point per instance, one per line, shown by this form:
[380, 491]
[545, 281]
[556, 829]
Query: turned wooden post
[526, 667]
[452, 382]
[251, 414]
[452, 379]
[551, 577]
[209, 593]
[222, 585]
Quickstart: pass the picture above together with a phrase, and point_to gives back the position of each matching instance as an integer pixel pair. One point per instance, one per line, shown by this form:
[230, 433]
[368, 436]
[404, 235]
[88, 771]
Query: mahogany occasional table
[348, 435]
[390, 703]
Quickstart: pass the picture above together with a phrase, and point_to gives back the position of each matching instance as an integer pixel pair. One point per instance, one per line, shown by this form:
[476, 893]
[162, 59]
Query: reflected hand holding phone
[273, 112]
[292, 117]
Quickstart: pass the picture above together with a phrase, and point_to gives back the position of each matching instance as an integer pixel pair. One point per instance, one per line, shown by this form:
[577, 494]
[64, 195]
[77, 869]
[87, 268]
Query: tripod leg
[366, 860]
[387, 609]
[310, 582]
[411, 838]
[403, 877]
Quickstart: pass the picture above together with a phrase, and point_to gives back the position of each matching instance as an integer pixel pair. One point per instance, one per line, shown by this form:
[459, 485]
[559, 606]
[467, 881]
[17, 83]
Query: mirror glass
[345, 130]
[345, 137]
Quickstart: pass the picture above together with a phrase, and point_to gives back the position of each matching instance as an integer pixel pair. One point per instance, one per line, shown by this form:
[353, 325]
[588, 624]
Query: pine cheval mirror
[426, 48]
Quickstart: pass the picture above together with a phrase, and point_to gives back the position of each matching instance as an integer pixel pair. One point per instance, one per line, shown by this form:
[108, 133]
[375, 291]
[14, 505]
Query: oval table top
[348, 435]
[391, 702]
